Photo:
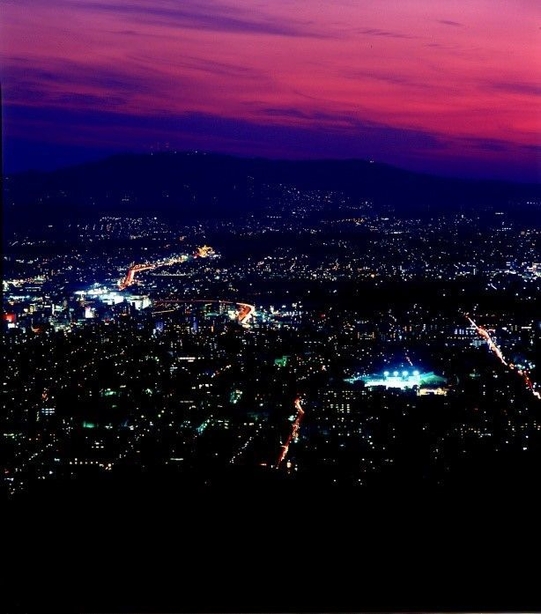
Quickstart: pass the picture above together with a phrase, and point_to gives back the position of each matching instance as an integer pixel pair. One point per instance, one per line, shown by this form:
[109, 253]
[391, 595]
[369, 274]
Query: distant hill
[191, 185]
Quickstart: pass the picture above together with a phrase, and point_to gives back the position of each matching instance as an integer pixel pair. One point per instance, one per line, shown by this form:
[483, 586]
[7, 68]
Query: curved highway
[129, 278]
[246, 310]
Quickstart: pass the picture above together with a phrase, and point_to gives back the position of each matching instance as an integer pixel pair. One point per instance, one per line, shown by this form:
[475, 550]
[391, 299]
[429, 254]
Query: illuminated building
[204, 252]
[401, 379]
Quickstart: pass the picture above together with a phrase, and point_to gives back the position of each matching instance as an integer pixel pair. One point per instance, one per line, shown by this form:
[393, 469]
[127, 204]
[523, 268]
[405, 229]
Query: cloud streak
[449, 22]
[385, 33]
[200, 16]
[526, 89]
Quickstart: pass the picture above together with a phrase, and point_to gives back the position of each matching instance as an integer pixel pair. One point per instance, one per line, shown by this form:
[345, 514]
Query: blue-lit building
[401, 378]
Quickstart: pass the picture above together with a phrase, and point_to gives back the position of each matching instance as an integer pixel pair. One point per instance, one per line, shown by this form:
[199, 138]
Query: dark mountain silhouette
[191, 185]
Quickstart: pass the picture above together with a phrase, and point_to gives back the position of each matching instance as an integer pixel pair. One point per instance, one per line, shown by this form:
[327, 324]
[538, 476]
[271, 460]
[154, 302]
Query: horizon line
[168, 151]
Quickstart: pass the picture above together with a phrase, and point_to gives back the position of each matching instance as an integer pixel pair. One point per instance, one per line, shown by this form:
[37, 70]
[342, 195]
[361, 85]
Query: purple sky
[444, 87]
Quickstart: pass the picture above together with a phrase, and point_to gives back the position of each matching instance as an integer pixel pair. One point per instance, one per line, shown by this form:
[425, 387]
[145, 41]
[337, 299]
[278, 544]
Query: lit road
[496, 350]
[129, 278]
[293, 434]
[238, 454]
[15, 475]
[486, 336]
[245, 312]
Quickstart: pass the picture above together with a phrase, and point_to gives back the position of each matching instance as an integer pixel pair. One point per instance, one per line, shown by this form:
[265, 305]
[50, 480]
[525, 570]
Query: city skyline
[432, 88]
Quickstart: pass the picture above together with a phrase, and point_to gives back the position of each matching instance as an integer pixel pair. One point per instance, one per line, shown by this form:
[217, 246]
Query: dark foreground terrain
[247, 544]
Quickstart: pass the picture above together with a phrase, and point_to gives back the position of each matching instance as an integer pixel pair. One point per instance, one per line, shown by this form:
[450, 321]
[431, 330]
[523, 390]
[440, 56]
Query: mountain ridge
[210, 184]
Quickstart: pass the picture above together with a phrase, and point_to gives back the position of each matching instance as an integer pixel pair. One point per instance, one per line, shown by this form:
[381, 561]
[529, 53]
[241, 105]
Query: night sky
[445, 87]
